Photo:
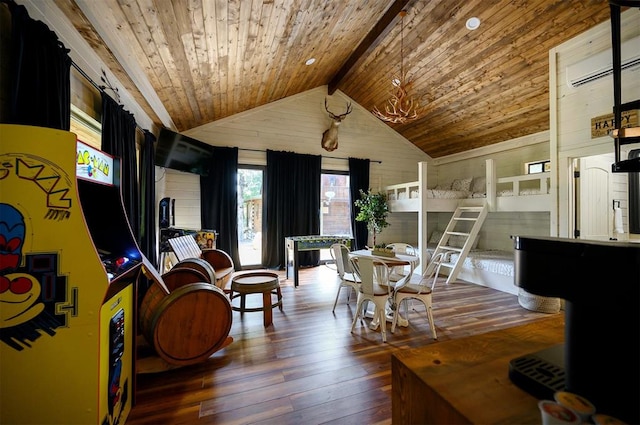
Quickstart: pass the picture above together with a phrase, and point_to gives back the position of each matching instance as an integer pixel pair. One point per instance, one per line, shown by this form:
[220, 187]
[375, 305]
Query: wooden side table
[255, 282]
[466, 380]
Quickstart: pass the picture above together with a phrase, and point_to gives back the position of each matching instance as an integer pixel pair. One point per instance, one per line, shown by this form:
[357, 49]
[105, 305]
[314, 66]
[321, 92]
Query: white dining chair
[374, 287]
[421, 291]
[400, 272]
[348, 279]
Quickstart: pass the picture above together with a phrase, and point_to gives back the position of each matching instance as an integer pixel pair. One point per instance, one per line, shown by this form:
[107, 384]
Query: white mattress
[448, 194]
[492, 261]
[523, 192]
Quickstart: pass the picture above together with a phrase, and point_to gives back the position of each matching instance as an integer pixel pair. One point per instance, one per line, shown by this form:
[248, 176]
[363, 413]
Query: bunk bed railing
[402, 191]
[538, 186]
[541, 178]
[403, 197]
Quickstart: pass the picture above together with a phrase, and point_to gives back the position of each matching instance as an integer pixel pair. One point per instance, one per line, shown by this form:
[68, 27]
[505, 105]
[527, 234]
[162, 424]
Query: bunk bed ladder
[464, 216]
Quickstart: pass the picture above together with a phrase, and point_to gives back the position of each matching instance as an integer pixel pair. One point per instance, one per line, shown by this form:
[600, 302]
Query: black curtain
[147, 240]
[292, 205]
[358, 179]
[219, 200]
[39, 80]
[119, 140]
[634, 197]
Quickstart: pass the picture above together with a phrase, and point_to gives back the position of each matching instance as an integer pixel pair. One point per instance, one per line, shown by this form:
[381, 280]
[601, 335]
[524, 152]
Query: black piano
[600, 283]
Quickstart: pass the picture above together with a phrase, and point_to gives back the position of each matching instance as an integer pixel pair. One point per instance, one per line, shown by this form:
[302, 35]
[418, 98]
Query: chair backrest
[179, 277]
[340, 254]
[217, 258]
[439, 258]
[402, 248]
[185, 247]
[200, 265]
[371, 271]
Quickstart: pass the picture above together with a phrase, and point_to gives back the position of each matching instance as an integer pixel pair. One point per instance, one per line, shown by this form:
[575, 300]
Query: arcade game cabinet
[68, 271]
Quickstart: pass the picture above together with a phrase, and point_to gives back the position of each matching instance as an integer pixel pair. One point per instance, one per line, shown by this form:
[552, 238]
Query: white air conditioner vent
[601, 64]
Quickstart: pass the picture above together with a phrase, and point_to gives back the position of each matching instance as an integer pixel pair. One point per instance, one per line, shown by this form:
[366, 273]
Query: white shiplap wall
[572, 108]
[296, 124]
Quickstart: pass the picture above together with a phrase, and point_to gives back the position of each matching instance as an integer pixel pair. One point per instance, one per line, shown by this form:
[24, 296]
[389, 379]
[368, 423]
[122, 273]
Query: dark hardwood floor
[307, 368]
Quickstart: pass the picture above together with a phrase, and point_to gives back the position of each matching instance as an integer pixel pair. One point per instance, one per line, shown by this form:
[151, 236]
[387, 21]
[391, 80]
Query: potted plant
[373, 209]
[382, 250]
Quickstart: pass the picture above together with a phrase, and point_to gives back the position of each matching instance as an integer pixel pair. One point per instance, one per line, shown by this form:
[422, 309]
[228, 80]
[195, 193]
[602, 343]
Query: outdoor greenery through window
[250, 182]
[335, 205]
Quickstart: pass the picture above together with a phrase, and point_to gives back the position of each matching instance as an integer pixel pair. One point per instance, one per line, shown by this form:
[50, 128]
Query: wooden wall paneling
[185, 189]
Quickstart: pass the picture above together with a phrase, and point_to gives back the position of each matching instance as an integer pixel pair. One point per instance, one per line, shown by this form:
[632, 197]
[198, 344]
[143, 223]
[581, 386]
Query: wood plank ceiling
[209, 59]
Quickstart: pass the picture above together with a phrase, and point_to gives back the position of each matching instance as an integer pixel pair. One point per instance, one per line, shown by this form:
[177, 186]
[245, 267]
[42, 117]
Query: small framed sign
[604, 124]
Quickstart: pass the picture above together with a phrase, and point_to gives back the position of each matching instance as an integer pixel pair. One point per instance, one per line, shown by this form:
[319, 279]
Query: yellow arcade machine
[69, 265]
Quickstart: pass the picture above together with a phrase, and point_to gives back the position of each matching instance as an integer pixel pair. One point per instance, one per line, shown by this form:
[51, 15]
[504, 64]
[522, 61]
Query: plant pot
[383, 252]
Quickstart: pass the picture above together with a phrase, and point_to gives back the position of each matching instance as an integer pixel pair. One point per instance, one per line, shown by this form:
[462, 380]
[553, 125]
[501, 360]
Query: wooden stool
[265, 282]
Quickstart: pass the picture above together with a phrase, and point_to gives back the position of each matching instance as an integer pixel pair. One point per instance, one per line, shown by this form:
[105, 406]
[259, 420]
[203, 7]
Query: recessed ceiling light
[473, 23]
[310, 61]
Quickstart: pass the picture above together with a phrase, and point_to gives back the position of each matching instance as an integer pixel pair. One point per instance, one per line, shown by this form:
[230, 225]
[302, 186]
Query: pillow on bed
[479, 185]
[454, 240]
[461, 185]
[449, 194]
[435, 236]
[443, 186]
[458, 241]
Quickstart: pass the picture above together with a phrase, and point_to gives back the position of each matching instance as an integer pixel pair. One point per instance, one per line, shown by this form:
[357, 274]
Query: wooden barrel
[178, 277]
[189, 324]
[200, 265]
[152, 298]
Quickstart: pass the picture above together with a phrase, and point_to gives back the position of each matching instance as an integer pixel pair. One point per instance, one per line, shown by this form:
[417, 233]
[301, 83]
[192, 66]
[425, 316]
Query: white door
[594, 199]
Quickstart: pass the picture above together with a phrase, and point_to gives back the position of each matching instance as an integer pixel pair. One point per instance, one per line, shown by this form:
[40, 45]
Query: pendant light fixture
[400, 107]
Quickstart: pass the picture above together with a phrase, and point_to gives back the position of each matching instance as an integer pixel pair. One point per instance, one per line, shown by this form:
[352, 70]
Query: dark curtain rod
[323, 156]
[98, 87]
[84, 74]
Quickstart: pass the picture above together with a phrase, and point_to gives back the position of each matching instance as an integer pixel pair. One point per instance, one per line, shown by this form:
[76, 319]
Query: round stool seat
[257, 282]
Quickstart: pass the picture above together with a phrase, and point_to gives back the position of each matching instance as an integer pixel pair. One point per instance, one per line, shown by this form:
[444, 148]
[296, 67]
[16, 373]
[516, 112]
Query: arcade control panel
[116, 265]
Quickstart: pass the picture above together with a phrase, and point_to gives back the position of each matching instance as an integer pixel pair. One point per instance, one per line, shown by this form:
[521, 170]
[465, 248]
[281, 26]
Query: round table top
[395, 260]
[258, 280]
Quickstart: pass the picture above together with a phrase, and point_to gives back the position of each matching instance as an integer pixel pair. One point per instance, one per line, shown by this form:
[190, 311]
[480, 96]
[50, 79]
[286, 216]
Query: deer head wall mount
[330, 136]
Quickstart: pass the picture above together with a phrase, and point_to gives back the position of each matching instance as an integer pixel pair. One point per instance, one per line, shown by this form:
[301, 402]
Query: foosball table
[296, 244]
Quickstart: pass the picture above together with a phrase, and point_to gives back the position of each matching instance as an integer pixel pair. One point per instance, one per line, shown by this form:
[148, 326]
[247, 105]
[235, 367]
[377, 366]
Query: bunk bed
[528, 192]
[492, 268]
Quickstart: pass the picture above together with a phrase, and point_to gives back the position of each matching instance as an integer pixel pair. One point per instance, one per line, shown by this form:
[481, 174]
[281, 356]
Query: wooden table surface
[397, 260]
[466, 380]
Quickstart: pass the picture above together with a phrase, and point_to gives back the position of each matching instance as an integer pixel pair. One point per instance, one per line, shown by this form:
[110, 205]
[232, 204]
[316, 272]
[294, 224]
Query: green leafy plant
[373, 208]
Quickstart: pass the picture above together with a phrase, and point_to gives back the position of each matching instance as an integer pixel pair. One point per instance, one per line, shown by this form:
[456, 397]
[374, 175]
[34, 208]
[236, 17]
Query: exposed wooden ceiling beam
[380, 29]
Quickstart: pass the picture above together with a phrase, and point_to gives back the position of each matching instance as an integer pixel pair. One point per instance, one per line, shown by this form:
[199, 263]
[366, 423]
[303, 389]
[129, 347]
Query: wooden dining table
[396, 260]
[392, 261]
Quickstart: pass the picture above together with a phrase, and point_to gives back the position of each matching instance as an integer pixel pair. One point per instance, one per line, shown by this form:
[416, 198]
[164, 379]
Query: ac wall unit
[601, 64]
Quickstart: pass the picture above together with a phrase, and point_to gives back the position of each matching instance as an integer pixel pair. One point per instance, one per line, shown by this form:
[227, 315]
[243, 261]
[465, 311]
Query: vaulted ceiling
[197, 61]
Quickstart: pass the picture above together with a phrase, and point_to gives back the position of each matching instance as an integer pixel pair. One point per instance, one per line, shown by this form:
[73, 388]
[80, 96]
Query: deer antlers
[337, 117]
[400, 108]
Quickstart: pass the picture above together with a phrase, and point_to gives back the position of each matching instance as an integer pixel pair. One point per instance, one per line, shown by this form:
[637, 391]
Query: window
[335, 217]
[250, 215]
[335, 206]
[537, 167]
